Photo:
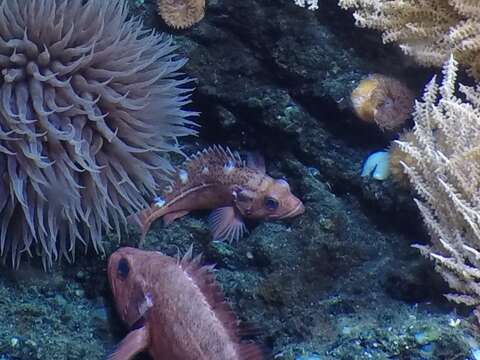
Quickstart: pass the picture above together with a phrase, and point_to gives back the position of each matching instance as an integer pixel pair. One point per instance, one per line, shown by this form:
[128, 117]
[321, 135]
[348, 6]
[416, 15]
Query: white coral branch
[446, 175]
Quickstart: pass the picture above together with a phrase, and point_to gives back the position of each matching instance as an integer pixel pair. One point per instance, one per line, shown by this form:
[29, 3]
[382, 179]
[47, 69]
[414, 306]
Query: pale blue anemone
[377, 165]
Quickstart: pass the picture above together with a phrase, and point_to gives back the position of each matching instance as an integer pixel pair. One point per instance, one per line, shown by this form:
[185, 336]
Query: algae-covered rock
[43, 317]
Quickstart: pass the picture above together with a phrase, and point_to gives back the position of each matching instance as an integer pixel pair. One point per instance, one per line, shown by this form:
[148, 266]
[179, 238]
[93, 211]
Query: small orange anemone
[181, 14]
[384, 101]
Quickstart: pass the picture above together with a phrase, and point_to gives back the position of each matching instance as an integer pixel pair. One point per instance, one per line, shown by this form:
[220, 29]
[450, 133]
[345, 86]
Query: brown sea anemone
[89, 103]
[384, 101]
[181, 14]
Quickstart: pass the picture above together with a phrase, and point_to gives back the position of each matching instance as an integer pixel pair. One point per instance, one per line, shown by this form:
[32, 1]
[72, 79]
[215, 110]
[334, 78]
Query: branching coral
[444, 168]
[398, 156]
[88, 105]
[428, 30]
[310, 4]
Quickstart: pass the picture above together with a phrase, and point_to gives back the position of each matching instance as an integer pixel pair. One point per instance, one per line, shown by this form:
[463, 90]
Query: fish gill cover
[89, 102]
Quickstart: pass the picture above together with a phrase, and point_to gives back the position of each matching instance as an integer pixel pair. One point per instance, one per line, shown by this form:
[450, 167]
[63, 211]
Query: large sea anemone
[89, 104]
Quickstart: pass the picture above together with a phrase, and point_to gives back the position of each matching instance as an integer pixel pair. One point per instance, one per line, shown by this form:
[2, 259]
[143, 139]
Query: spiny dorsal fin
[255, 160]
[205, 280]
[208, 166]
[215, 155]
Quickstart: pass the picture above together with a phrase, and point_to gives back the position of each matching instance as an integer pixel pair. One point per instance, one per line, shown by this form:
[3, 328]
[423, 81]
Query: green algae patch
[42, 317]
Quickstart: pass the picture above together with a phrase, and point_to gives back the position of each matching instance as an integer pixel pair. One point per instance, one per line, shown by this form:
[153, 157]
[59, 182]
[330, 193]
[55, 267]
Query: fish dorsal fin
[205, 280]
[256, 161]
[215, 155]
[212, 163]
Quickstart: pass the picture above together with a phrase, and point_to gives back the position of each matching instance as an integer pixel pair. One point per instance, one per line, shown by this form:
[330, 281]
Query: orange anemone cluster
[181, 14]
[384, 101]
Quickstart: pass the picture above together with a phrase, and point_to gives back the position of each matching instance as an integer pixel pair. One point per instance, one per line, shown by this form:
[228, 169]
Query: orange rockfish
[216, 178]
[174, 308]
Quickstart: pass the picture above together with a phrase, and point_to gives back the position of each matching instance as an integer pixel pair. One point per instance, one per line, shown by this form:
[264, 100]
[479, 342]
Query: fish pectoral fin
[135, 342]
[171, 217]
[226, 224]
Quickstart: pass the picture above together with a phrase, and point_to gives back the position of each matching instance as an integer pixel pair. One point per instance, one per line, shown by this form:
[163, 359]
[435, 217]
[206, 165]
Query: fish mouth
[297, 210]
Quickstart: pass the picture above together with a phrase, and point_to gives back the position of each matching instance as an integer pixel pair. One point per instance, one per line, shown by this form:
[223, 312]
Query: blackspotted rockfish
[174, 308]
[217, 178]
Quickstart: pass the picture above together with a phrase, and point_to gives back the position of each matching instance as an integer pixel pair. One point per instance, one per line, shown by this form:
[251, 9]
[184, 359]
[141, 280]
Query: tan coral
[444, 169]
[181, 14]
[428, 30]
[383, 100]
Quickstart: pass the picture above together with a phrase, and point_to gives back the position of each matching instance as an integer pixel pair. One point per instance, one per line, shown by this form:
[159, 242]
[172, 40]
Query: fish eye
[123, 268]
[270, 203]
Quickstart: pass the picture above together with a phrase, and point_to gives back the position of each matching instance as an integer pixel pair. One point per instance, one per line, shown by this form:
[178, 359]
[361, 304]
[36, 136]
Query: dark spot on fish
[123, 268]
